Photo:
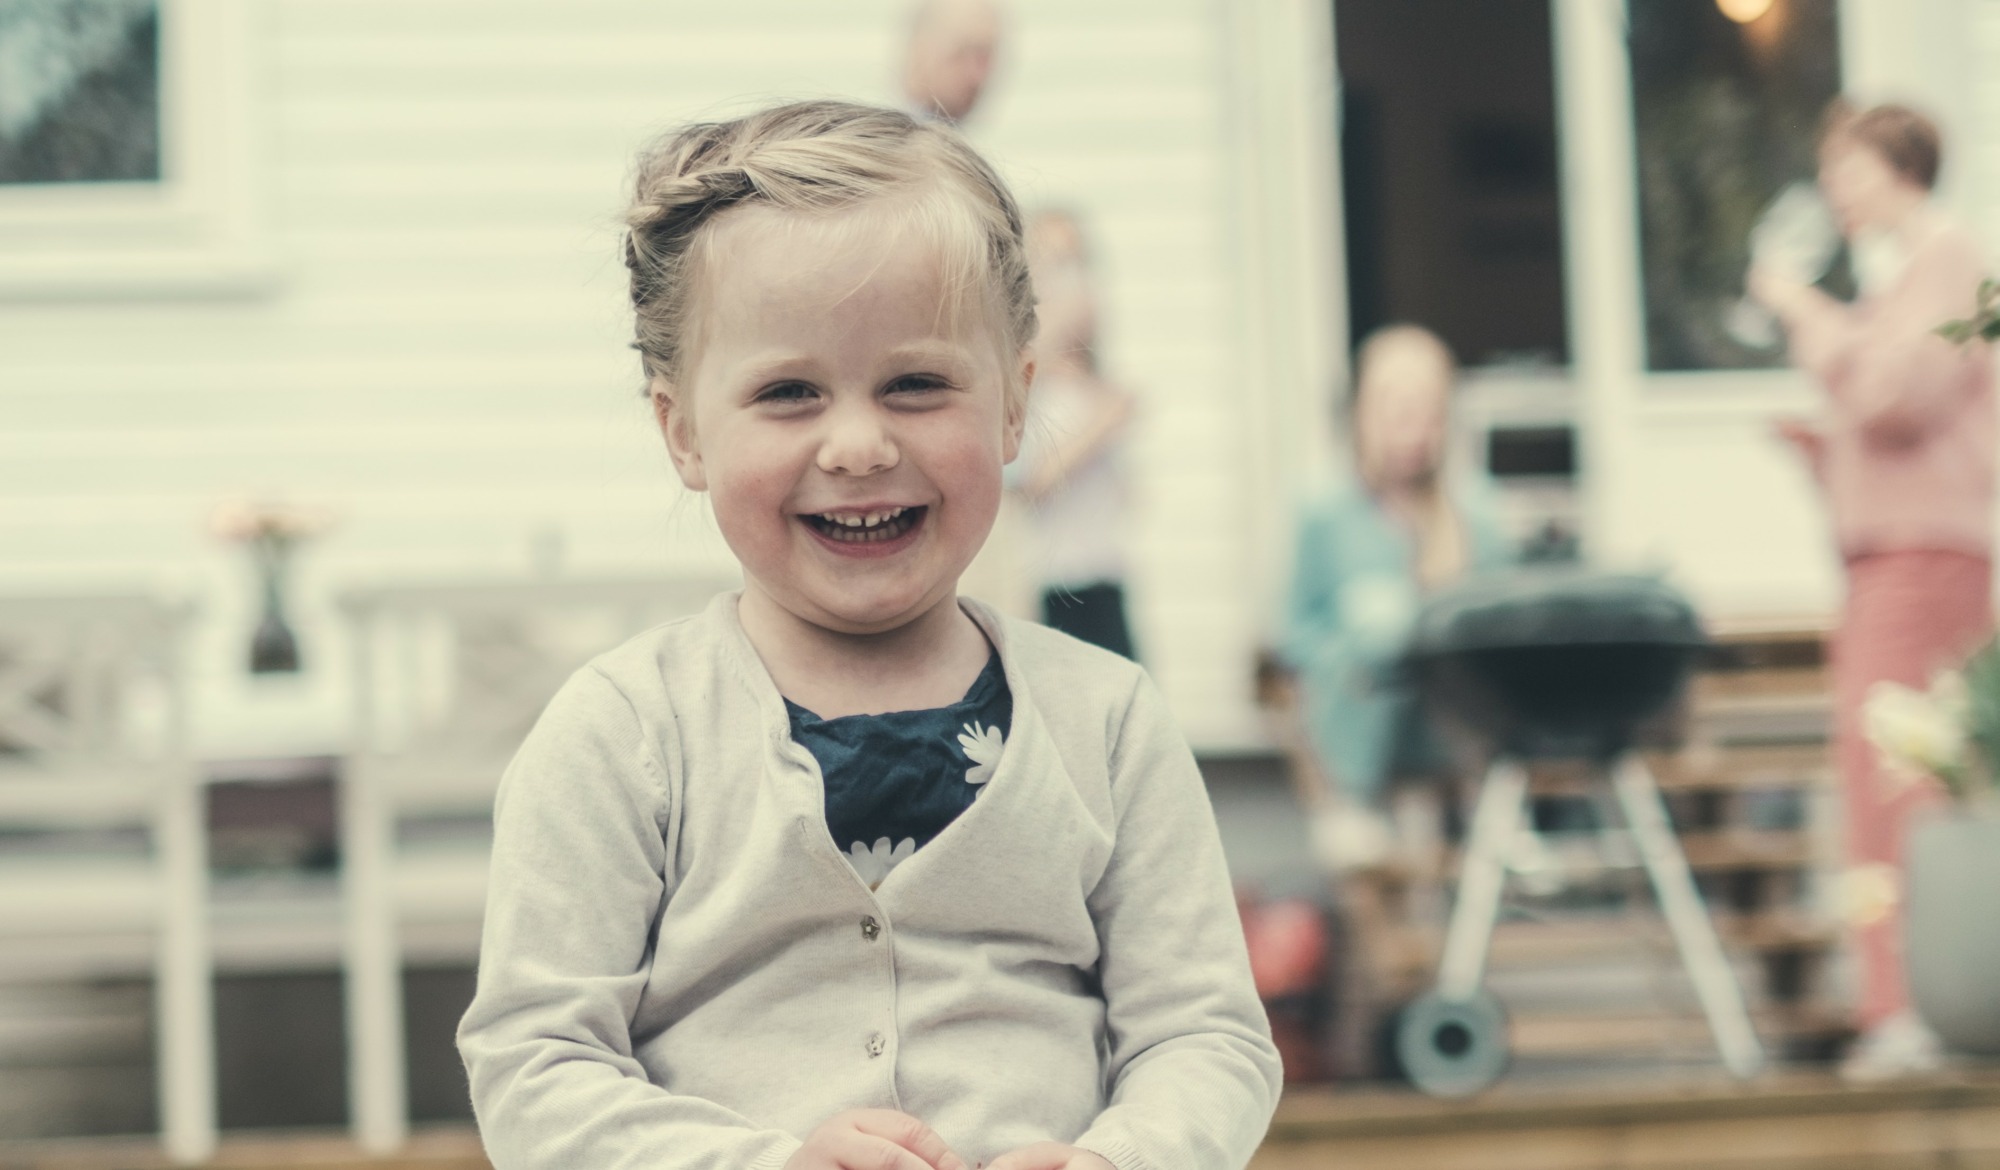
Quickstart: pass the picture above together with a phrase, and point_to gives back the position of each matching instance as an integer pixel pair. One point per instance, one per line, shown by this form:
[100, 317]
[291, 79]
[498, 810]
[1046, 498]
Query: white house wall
[441, 358]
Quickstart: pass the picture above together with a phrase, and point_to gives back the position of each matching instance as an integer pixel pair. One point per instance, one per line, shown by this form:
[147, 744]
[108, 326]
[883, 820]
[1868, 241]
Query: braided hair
[817, 157]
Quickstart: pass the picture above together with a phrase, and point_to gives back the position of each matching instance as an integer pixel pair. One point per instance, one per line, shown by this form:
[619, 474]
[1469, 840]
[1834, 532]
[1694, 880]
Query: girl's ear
[1017, 408]
[677, 427]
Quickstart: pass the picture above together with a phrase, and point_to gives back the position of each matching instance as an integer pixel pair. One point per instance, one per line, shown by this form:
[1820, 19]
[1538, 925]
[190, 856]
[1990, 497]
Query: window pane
[1726, 116]
[79, 91]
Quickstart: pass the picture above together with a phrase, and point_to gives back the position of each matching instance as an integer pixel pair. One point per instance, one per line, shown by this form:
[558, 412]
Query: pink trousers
[1907, 615]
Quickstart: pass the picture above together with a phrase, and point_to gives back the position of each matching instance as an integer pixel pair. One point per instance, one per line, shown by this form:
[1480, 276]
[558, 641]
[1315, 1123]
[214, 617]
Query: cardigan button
[870, 929]
[876, 1045]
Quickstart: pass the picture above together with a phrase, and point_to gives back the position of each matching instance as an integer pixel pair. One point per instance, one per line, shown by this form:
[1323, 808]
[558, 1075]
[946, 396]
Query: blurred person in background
[949, 57]
[1367, 553]
[1903, 456]
[1072, 464]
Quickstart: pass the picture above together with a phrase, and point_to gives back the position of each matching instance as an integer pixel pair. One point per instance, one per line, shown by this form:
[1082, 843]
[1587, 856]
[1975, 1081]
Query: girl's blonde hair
[819, 158]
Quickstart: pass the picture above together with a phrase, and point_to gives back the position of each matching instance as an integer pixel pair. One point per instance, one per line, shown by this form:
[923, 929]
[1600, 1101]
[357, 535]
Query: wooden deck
[1780, 1123]
[1785, 1122]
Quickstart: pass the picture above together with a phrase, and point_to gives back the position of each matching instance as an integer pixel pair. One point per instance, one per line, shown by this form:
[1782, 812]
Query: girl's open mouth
[865, 532]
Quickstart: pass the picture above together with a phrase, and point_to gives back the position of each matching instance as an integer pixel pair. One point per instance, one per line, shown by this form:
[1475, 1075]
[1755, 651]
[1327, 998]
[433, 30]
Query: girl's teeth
[870, 520]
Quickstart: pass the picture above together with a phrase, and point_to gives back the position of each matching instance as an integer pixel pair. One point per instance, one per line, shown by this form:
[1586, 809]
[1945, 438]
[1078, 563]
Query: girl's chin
[878, 617]
[857, 613]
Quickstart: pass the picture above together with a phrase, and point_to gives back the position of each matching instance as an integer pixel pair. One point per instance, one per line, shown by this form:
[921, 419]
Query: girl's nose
[857, 443]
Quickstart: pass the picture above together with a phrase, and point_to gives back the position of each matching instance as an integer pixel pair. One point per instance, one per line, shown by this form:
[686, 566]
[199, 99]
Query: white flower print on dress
[982, 746]
[874, 864]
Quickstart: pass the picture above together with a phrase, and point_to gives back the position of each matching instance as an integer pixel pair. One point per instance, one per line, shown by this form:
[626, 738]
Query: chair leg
[1687, 917]
[1481, 880]
[374, 986]
[184, 989]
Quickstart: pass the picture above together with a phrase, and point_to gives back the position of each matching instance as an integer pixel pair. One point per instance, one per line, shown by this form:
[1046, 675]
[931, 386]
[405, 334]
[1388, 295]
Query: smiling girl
[849, 871]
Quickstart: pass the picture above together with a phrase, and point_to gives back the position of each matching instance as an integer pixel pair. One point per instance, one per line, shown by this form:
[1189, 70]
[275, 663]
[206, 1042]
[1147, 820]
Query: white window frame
[198, 230]
[1290, 258]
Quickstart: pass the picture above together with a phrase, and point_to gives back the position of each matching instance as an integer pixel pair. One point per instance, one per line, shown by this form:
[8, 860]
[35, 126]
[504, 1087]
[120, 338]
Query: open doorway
[1449, 174]
[1451, 182]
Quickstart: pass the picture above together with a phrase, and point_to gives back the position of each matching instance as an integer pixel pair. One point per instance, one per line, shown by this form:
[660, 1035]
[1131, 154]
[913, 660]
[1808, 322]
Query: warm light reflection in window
[1744, 11]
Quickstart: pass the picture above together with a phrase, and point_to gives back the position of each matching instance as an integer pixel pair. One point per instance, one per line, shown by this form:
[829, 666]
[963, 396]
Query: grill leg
[1480, 880]
[1701, 951]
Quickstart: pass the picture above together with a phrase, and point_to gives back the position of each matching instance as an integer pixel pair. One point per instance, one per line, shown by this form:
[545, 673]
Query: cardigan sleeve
[1192, 1072]
[1887, 368]
[579, 874]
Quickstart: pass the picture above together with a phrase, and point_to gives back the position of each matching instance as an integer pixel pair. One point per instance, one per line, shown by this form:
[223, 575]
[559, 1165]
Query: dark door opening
[1449, 174]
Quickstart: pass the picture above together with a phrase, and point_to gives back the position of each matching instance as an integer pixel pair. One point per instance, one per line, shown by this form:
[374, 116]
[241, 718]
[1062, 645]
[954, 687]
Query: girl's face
[850, 440]
[1402, 417]
[1864, 191]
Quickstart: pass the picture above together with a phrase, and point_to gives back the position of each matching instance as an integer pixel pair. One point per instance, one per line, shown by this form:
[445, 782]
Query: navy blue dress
[895, 780]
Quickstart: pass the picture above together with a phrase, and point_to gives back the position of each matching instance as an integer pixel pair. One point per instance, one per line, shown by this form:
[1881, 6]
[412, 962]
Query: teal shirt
[1353, 597]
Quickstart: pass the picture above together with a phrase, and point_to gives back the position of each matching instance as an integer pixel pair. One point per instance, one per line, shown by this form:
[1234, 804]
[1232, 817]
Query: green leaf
[1982, 681]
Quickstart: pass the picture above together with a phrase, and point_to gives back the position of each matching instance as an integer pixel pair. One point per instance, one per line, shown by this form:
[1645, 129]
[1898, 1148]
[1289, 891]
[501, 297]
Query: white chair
[448, 679]
[103, 861]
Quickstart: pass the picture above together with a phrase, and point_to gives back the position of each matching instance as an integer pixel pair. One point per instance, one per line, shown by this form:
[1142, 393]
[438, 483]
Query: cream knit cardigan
[680, 971]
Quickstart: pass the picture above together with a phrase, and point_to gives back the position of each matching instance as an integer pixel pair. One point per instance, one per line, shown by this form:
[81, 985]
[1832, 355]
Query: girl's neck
[925, 663]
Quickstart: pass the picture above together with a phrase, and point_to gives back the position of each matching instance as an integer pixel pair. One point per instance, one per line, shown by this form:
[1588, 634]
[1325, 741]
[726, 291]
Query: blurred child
[1072, 466]
[1366, 556]
[949, 57]
[849, 871]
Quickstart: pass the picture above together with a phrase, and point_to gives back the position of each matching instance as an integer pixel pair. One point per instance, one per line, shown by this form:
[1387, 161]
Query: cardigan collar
[1029, 759]
[749, 665]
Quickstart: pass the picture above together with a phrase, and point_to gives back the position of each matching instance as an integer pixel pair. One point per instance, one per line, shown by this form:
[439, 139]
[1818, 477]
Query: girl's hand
[1781, 294]
[1049, 1156]
[874, 1139]
[1770, 289]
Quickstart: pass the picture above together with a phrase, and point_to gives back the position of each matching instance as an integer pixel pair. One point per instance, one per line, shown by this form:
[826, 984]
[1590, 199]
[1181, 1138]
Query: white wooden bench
[448, 679]
[103, 864]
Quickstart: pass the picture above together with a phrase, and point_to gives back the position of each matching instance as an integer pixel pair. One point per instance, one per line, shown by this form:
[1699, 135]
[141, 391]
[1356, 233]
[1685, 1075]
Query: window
[80, 91]
[126, 167]
[1725, 116]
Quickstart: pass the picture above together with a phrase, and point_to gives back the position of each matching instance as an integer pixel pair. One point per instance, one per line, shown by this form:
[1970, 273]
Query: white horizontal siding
[442, 360]
[1980, 159]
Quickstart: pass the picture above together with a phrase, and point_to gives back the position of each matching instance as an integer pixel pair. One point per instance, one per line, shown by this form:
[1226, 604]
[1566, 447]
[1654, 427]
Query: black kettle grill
[1569, 664]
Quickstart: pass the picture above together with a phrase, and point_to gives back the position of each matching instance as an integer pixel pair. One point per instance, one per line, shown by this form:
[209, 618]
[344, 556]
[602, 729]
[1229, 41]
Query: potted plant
[1952, 933]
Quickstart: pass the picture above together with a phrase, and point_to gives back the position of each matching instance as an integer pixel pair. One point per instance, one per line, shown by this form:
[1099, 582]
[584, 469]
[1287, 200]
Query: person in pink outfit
[1904, 459]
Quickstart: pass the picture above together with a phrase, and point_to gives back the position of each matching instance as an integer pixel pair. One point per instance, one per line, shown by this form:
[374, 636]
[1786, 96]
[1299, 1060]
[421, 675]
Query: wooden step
[1800, 718]
[1779, 1122]
[1709, 767]
[1601, 1034]
[1584, 862]
[1560, 941]
[1733, 850]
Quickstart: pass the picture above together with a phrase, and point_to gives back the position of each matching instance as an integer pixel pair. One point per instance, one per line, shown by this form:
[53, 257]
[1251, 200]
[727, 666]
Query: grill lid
[1545, 607]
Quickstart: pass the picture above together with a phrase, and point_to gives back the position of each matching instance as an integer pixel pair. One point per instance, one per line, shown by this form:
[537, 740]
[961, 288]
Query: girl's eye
[918, 384]
[786, 392]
